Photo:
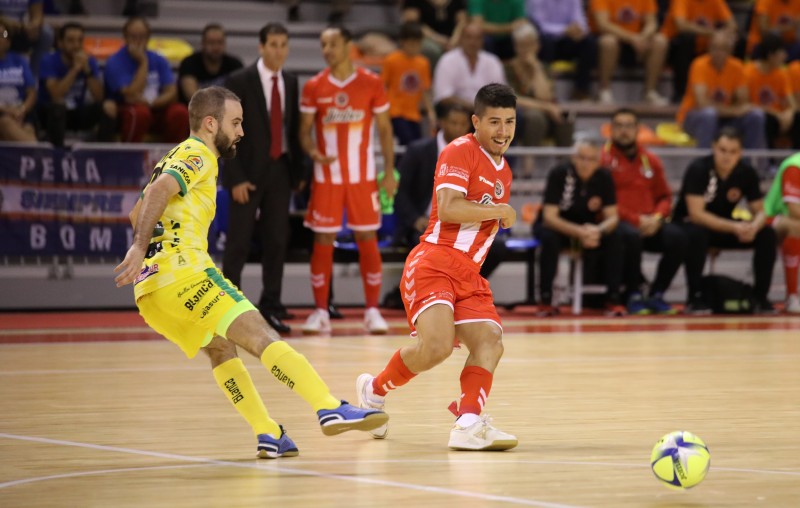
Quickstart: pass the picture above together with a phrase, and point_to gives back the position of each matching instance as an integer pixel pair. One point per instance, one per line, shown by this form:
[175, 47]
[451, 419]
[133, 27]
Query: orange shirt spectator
[406, 78]
[779, 16]
[720, 86]
[707, 14]
[793, 70]
[770, 90]
[627, 14]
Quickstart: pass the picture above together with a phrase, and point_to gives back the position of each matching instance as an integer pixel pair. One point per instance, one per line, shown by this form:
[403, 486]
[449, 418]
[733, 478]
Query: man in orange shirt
[717, 95]
[780, 17]
[633, 24]
[407, 77]
[771, 90]
[688, 25]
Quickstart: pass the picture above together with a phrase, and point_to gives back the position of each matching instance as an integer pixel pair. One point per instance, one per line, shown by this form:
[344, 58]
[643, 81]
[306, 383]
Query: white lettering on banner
[70, 170]
[38, 236]
[94, 203]
[48, 169]
[92, 173]
[26, 164]
[67, 234]
[100, 239]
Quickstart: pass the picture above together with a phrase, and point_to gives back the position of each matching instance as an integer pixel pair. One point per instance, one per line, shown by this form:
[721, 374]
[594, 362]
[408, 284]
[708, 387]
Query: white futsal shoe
[367, 399]
[318, 322]
[374, 322]
[793, 304]
[480, 436]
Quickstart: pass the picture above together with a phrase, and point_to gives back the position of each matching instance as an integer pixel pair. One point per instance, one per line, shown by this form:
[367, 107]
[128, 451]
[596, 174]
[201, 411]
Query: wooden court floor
[132, 423]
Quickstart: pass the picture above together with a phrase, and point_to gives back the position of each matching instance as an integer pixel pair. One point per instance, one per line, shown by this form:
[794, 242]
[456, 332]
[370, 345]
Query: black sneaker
[697, 308]
[763, 307]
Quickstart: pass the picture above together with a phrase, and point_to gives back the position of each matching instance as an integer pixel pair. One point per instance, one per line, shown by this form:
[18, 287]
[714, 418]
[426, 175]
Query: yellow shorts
[190, 312]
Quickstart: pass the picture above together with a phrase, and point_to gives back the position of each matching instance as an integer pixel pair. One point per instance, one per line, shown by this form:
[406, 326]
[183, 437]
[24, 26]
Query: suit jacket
[414, 195]
[253, 150]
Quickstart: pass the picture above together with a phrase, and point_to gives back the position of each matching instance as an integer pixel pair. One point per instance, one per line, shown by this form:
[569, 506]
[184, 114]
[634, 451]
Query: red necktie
[276, 121]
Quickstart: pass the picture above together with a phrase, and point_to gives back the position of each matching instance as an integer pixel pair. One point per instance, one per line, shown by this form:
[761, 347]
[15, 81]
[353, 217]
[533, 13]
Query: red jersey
[466, 167]
[790, 185]
[343, 121]
[640, 184]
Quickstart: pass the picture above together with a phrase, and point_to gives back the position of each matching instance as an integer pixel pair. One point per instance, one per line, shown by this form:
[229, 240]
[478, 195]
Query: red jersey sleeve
[380, 102]
[790, 185]
[452, 170]
[308, 99]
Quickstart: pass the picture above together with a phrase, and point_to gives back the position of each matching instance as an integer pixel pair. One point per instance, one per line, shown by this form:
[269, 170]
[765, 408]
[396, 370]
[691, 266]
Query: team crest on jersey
[499, 189]
[734, 195]
[195, 161]
[594, 204]
[146, 272]
[340, 100]
[626, 15]
[410, 82]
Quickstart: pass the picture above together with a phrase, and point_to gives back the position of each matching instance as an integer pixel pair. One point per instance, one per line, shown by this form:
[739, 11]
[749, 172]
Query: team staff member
[185, 298]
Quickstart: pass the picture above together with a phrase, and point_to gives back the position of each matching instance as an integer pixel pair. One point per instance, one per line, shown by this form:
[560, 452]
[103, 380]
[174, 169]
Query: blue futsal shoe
[347, 417]
[271, 448]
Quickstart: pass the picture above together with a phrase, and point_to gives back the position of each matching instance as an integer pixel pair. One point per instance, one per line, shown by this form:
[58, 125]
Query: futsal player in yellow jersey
[185, 298]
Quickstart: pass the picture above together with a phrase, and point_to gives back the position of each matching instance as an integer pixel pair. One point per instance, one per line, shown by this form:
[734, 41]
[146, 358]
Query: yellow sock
[234, 380]
[292, 369]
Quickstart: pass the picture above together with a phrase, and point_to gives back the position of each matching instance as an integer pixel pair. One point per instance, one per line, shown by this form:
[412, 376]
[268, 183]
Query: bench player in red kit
[445, 297]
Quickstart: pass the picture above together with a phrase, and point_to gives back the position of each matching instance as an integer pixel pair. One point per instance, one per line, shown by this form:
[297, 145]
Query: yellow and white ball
[680, 460]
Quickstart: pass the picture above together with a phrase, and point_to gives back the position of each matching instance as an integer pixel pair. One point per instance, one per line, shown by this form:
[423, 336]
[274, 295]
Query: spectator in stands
[718, 95]
[579, 212]
[339, 9]
[340, 104]
[143, 85]
[689, 25]
[629, 26]
[498, 18]
[644, 203]
[782, 206]
[442, 22]
[407, 77]
[565, 35]
[538, 112]
[207, 67]
[771, 90]
[793, 70]
[24, 21]
[71, 91]
[17, 92]
[712, 188]
[779, 17]
[268, 166]
[462, 71]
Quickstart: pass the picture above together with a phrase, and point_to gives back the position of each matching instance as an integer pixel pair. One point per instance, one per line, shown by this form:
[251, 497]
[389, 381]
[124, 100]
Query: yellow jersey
[179, 245]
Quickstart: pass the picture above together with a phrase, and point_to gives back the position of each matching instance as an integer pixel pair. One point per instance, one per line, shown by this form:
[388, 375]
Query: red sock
[321, 268]
[393, 376]
[791, 258]
[369, 259]
[476, 383]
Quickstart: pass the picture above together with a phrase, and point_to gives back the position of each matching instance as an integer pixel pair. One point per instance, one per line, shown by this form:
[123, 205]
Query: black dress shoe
[275, 322]
[334, 312]
[283, 314]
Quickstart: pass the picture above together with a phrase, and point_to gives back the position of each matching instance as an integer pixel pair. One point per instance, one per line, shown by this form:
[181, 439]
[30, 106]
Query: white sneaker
[318, 322]
[655, 99]
[480, 436]
[367, 399]
[605, 97]
[374, 322]
[793, 304]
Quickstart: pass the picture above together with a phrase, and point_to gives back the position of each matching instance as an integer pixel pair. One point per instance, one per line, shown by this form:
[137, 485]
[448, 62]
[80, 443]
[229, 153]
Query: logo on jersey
[146, 272]
[485, 180]
[340, 100]
[766, 96]
[410, 82]
[499, 189]
[348, 115]
[594, 204]
[734, 195]
[626, 15]
[447, 170]
[486, 199]
[204, 288]
[195, 161]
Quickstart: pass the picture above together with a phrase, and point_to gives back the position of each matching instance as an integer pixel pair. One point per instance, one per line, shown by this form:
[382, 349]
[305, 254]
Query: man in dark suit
[412, 203]
[268, 166]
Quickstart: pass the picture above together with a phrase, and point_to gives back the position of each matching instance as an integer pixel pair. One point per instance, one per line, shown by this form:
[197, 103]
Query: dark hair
[729, 132]
[445, 107]
[211, 26]
[346, 34]
[69, 25]
[625, 111]
[410, 31]
[209, 101]
[271, 29]
[771, 43]
[134, 19]
[494, 95]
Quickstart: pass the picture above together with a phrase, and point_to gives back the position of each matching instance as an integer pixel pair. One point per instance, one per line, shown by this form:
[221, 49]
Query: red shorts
[434, 274]
[328, 202]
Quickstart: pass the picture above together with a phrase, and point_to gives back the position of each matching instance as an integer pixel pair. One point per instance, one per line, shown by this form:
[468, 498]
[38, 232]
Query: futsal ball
[680, 460]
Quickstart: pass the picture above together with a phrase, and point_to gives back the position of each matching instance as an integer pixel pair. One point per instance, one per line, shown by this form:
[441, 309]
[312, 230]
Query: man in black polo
[712, 188]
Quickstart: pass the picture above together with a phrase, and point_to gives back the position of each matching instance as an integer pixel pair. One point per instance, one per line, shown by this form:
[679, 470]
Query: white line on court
[14, 483]
[317, 474]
